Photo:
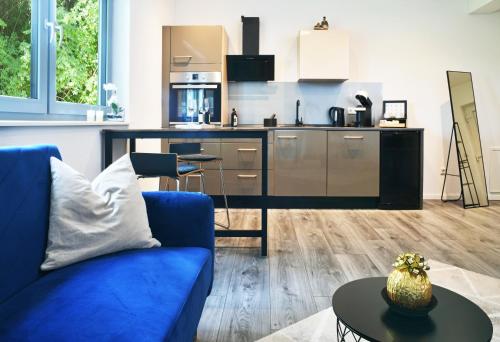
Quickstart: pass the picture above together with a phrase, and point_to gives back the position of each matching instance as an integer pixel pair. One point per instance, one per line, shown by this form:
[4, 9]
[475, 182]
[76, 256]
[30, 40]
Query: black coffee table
[362, 312]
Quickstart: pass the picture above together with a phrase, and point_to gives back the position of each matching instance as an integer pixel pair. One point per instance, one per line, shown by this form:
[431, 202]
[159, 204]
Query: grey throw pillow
[91, 219]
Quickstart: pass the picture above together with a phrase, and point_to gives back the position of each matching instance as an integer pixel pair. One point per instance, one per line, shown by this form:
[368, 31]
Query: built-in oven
[192, 93]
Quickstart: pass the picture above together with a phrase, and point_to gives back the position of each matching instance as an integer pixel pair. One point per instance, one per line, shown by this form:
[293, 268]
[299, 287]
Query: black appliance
[364, 113]
[250, 35]
[401, 169]
[250, 67]
[337, 116]
[194, 93]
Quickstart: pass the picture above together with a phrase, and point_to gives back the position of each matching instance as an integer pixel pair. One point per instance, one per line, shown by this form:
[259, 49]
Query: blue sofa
[153, 294]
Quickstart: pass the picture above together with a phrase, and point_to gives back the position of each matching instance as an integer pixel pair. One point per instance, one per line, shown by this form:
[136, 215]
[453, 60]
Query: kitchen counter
[262, 128]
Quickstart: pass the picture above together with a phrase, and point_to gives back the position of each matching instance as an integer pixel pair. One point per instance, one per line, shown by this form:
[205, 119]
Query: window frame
[37, 103]
[43, 71]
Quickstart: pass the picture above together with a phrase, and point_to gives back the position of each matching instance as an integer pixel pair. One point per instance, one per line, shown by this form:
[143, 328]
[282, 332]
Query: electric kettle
[336, 115]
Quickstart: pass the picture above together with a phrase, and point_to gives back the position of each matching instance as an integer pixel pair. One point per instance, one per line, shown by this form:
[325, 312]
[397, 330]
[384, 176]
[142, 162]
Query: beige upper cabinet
[197, 45]
[323, 56]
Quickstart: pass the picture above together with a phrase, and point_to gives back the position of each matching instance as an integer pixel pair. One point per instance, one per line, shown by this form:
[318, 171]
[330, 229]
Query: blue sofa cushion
[24, 214]
[154, 294]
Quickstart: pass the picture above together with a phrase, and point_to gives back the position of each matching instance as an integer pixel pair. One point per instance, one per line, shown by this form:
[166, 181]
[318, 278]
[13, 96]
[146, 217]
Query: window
[52, 56]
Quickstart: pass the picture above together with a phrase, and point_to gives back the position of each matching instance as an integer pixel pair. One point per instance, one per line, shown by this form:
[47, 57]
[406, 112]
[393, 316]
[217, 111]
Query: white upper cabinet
[323, 56]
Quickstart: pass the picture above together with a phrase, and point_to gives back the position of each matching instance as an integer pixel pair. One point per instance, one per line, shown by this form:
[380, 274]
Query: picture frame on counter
[395, 113]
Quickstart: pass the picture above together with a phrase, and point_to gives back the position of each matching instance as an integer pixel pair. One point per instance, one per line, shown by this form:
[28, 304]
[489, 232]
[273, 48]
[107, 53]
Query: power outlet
[351, 110]
[443, 170]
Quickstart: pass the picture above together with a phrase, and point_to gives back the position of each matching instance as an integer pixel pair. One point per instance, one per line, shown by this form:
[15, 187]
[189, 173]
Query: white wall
[137, 64]
[80, 146]
[406, 45]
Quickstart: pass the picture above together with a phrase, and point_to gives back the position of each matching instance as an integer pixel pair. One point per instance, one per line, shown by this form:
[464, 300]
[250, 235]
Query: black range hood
[251, 66]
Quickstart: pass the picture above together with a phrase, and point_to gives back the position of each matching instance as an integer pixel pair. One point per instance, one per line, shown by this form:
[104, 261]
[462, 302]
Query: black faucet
[298, 122]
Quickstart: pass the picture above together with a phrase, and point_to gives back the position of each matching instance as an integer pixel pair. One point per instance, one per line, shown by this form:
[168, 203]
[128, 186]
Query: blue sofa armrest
[181, 219]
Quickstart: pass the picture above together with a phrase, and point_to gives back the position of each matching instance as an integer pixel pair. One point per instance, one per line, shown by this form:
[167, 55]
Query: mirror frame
[456, 143]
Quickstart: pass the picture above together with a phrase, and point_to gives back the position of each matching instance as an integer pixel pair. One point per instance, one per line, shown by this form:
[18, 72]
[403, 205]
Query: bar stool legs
[223, 190]
[202, 177]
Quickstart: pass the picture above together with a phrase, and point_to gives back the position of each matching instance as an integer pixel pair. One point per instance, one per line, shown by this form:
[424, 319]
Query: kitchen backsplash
[255, 101]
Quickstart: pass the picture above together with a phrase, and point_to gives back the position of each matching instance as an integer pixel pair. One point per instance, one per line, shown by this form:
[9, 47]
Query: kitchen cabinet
[197, 46]
[242, 155]
[323, 55]
[300, 163]
[353, 163]
[401, 170]
[242, 164]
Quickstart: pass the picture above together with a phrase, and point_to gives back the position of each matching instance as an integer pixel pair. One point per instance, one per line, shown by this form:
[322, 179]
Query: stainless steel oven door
[192, 93]
[187, 100]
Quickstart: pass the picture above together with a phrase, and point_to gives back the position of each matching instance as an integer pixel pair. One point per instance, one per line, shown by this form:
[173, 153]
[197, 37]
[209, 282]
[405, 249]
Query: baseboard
[492, 197]
[438, 196]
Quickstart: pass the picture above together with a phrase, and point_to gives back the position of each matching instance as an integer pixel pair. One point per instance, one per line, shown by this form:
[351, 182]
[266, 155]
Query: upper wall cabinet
[197, 46]
[323, 56]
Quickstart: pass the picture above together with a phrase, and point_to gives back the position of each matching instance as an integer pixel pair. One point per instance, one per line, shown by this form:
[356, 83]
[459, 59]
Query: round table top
[359, 305]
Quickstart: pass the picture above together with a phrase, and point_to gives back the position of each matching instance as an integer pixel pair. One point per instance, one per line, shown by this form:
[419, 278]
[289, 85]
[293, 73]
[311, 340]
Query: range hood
[250, 66]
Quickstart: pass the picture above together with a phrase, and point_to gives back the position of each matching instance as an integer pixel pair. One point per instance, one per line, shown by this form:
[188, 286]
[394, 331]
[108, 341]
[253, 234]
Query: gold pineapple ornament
[408, 284]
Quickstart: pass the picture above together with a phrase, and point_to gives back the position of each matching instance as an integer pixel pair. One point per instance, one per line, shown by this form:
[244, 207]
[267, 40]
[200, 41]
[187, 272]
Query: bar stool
[191, 153]
[152, 165]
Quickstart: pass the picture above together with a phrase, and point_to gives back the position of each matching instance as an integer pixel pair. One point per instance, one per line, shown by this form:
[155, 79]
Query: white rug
[481, 289]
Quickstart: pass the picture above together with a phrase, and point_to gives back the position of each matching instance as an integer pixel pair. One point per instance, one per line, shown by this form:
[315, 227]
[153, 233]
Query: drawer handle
[247, 176]
[354, 137]
[287, 137]
[183, 57]
[202, 150]
[247, 150]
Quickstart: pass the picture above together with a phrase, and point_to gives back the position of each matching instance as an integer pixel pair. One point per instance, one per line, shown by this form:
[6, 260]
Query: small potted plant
[112, 101]
[408, 285]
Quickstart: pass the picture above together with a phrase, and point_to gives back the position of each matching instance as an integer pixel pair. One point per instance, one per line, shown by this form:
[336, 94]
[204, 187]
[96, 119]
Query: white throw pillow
[91, 219]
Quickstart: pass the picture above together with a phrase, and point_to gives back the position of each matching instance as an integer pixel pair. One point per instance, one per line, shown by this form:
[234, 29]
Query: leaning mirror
[467, 141]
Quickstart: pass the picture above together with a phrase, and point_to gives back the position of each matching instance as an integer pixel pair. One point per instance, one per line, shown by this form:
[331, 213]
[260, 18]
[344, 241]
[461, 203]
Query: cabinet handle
[247, 150]
[354, 137]
[287, 137]
[183, 57]
[247, 176]
[202, 150]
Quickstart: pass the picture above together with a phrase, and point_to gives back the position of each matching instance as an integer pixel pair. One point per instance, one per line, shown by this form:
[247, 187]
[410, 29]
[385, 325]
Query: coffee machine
[364, 110]
[337, 117]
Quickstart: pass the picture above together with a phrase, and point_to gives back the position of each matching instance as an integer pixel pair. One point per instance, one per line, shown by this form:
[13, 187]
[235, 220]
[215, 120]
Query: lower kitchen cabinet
[300, 163]
[241, 155]
[401, 165]
[243, 182]
[353, 163]
[373, 167]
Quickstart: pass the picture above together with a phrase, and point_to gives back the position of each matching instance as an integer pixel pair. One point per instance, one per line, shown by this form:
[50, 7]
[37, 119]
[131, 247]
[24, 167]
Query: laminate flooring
[313, 252]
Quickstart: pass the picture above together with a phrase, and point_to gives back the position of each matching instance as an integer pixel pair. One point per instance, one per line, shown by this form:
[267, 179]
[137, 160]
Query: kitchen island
[255, 202]
[301, 167]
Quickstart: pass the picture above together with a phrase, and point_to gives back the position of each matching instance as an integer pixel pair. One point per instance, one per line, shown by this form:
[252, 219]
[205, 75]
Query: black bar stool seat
[152, 165]
[201, 158]
[184, 169]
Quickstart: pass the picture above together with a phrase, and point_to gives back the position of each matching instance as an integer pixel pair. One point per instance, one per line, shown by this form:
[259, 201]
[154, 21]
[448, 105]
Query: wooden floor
[313, 252]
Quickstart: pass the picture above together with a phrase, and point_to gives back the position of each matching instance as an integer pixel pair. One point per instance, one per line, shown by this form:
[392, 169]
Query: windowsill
[42, 123]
